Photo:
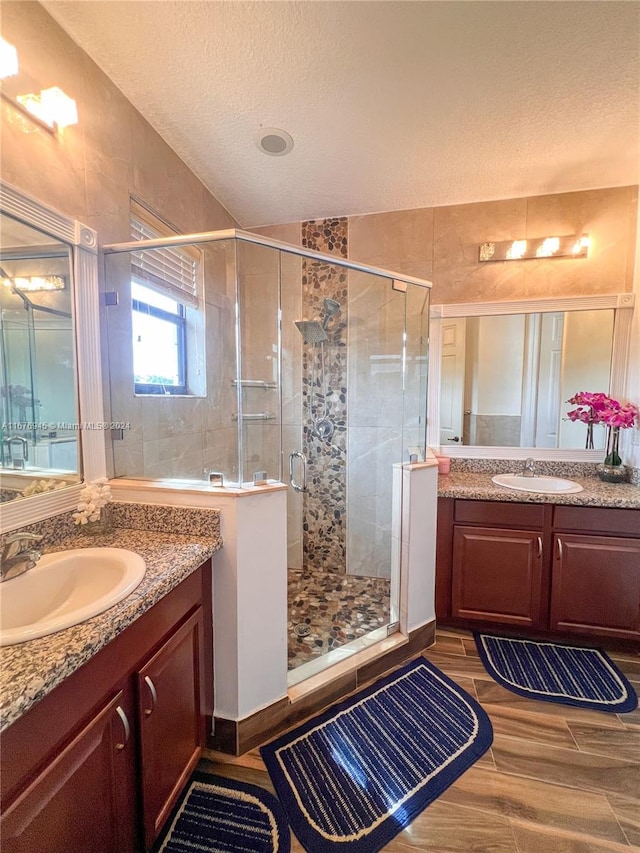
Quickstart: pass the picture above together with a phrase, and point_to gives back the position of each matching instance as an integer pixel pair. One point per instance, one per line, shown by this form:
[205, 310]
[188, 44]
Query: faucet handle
[23, 537]
[15, 543]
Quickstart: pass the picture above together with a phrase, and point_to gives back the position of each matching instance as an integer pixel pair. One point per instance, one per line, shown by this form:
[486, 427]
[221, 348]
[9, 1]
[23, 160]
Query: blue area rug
[218, 815]
[557, 672]
[353, 777]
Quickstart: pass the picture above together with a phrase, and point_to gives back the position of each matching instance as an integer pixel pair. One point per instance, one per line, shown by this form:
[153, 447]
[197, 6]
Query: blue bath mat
[218, 815]
[557, 672]
[353, 777]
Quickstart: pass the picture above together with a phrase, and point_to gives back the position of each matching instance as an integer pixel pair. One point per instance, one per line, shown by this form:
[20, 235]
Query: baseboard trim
[239, 736]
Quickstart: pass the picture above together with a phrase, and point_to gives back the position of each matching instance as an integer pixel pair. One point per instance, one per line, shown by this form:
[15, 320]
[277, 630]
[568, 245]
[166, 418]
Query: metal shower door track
[247, 237]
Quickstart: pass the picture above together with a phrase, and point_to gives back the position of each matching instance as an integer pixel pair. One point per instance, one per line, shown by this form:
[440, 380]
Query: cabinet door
[170, 722]
[497, 576]
[85, 798]
[596, 586]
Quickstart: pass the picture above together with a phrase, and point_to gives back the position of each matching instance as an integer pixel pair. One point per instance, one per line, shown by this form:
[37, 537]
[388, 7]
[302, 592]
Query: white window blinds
[172, 270]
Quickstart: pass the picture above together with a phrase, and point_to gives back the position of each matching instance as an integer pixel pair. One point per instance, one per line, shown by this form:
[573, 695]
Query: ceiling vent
[273, 141]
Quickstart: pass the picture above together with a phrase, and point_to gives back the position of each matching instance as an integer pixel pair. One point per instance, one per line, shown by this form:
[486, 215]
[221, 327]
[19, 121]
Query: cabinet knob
[154, 696]
[127, 729]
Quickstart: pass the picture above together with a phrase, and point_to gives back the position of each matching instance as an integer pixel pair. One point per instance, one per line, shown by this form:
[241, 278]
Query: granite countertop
[478, 486]
[28, 671]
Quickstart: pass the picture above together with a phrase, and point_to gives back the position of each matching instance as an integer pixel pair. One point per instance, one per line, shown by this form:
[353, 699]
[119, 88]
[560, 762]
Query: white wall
[631, 438]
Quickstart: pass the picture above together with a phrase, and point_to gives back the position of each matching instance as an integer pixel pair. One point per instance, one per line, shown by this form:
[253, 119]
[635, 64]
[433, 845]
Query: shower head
[312, 331]
[315, 332]
[331, 307]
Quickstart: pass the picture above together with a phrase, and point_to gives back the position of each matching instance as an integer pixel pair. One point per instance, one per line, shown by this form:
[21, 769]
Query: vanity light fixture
[8, 60]
[572, 246]
[36, 282]
[52, 107]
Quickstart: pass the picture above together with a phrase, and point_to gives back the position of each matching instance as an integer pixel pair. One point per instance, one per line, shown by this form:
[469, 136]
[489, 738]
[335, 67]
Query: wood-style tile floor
[557, 779]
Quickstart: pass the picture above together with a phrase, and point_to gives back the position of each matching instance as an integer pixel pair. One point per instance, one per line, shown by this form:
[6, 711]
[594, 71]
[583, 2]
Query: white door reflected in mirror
[505, 378]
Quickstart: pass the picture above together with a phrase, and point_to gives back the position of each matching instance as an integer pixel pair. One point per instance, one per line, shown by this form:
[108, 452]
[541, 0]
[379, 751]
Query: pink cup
[444, 464]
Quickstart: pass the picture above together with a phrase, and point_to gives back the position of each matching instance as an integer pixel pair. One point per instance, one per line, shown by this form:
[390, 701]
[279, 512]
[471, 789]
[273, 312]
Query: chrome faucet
[18, 555]
[529, 468]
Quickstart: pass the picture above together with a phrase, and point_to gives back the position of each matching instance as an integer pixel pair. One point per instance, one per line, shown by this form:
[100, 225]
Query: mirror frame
[84, 248]
[622, 303]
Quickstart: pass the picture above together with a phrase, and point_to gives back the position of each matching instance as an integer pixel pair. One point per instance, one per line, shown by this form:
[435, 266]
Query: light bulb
[8, 59]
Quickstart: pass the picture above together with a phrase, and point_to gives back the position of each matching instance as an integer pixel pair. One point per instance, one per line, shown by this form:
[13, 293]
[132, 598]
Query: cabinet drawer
[598, 520]
[500, 514]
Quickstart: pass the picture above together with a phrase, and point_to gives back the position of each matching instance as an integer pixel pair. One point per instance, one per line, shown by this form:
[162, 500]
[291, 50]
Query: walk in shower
[239, 360]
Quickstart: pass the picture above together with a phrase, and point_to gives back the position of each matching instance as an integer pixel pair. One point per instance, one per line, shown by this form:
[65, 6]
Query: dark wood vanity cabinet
[565, 570]
[99, 762]
[596, 572]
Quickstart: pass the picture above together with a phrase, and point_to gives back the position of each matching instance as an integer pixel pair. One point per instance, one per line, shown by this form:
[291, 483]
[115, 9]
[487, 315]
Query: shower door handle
[298, 487]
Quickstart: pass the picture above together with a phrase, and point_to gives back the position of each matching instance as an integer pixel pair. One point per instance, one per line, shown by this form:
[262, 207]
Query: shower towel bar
[255, 383]
[255, 416]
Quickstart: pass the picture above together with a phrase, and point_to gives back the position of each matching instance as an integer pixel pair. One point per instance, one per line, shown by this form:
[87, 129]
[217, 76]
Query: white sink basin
[64, 589]
[540, 484]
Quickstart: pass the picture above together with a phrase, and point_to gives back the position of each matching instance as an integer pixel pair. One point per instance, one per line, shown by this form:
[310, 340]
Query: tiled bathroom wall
[441, 244]
[324, 504]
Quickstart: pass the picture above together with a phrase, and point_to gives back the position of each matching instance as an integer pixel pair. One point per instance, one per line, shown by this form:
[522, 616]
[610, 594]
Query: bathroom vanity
[99, 760]
[536, 565]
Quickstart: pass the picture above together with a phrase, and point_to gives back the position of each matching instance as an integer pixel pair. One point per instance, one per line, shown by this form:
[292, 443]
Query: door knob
[455, 438]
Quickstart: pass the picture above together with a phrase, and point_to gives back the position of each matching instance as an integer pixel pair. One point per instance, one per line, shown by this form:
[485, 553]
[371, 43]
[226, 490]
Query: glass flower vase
[611, 473]
[101, 526]
[612, 470]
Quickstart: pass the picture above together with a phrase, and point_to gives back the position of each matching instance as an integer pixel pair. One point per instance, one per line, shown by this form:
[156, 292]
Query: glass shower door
[258, 409]
[350, 420]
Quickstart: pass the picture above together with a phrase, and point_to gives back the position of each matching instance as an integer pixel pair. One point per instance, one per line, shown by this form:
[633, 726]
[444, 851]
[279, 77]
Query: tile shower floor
[328, 610]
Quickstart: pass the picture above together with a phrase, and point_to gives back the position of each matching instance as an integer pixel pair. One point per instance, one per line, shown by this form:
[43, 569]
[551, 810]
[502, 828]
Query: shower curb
[236, 737]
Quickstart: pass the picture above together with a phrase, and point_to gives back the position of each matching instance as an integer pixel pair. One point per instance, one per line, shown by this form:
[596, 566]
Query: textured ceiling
[391, 104]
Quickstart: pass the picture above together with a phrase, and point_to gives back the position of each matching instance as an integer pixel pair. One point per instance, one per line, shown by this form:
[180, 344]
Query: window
[166, 320]
[159, 342]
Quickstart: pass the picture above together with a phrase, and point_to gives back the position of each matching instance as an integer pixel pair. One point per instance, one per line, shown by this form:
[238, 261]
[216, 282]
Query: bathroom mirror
[51, 429]
[39, 436]
[506, 370]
